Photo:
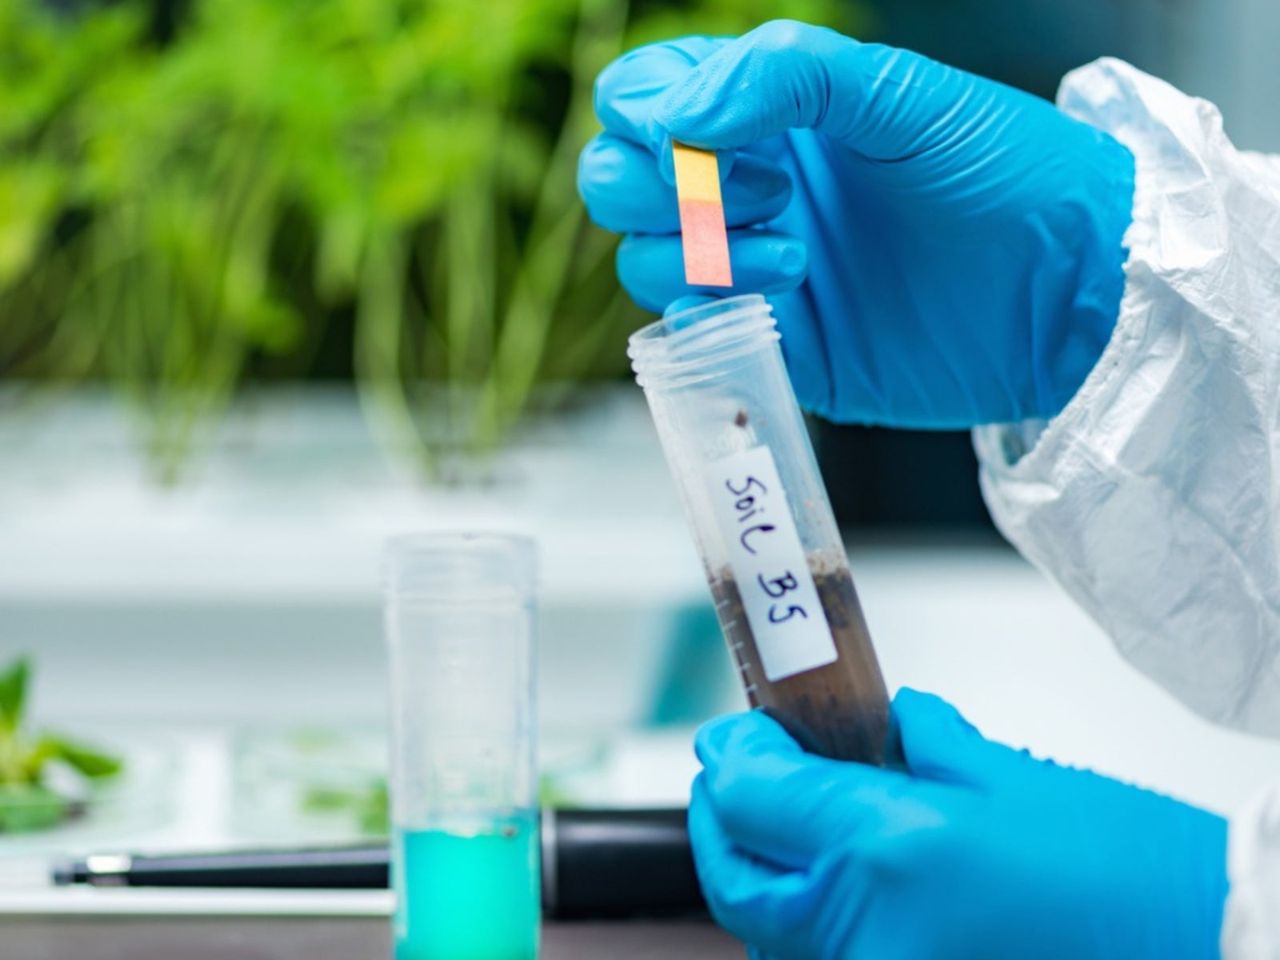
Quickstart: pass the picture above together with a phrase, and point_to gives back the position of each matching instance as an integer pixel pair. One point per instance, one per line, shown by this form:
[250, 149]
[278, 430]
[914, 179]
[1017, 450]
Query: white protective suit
[1154, 497]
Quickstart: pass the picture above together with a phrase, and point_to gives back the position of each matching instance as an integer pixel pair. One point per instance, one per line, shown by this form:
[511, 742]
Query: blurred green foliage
[369, 806]
[27, 800]
[174, 210]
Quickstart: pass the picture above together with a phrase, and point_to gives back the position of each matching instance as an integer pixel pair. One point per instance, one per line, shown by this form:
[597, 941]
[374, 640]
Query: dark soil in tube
[840, 710]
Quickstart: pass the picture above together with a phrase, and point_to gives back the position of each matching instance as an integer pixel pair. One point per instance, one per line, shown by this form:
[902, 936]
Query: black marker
[595, 864]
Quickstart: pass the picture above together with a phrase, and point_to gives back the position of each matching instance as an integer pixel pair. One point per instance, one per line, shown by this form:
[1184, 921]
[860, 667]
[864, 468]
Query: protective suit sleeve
[1251, 925]
[1153, 496]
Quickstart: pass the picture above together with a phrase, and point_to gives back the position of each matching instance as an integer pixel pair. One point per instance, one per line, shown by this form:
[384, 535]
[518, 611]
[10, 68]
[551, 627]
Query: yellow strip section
[697, 173]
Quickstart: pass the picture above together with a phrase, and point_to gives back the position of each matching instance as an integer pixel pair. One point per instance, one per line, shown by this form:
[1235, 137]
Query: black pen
[595, 864]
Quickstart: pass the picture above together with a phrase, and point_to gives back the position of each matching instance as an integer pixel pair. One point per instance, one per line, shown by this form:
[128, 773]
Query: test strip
[705, 241]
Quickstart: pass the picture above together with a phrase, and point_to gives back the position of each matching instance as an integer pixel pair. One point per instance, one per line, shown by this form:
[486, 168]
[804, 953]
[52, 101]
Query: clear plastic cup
[737, 447]
[459, 622]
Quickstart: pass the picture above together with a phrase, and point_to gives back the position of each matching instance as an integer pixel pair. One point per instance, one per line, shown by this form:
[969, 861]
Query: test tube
[459, 623]
[736, 443]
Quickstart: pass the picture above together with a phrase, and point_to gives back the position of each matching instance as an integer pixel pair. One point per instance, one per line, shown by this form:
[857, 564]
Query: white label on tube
[768, 563]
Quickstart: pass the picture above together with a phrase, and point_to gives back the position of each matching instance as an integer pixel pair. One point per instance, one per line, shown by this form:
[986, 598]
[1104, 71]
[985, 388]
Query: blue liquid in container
[468, 892]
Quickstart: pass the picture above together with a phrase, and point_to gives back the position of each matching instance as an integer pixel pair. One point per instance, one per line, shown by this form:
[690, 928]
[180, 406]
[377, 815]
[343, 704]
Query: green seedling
[27, 800]
[394, 176]
[369, 806]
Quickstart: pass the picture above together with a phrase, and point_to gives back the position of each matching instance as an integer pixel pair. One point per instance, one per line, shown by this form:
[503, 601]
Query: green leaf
[328, 800]
[13, 693]
[552, 794]
[28, 807]
[83, 759]
[29, 203]
[368, 805]
[341, 243]
[375, 813]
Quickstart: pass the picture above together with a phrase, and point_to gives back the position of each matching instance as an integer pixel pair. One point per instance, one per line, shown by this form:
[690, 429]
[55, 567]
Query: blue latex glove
[941, 250]
[979, 853]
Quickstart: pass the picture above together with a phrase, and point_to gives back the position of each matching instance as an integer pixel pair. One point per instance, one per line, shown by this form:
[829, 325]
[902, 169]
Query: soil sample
[840, 710]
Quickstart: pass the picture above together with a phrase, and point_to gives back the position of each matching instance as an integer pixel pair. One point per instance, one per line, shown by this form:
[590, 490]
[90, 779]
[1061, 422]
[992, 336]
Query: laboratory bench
[274, 925]
[36, 939]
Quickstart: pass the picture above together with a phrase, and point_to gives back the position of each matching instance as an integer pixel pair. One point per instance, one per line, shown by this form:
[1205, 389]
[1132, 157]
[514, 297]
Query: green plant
[174, 212]
[27, 801]
[369, 806]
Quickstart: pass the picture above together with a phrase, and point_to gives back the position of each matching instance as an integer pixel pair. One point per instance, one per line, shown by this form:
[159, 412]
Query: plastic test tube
[459, 623]
[737, 446]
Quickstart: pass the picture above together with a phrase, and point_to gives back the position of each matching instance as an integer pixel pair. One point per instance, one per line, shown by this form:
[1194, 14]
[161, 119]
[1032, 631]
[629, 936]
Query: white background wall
[249, 597]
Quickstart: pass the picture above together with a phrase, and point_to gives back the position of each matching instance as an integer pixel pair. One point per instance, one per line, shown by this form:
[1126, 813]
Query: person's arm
[1154, 496]
[953, 252]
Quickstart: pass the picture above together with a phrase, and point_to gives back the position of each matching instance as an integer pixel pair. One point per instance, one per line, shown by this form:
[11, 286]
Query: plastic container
[736, 444]
[459, 621]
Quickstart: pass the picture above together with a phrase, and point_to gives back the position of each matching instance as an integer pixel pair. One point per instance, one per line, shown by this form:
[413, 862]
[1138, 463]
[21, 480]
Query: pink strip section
[706, 244]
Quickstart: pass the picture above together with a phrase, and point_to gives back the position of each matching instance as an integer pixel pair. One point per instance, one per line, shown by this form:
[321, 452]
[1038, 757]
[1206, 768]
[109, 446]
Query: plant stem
[379, 384]
[550, 248]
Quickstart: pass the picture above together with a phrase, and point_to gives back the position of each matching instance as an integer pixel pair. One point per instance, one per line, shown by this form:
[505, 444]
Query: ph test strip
[705, 241]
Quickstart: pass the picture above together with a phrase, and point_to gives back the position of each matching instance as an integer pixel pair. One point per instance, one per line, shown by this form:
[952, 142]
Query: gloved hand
[941, 250]
[979, 852]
